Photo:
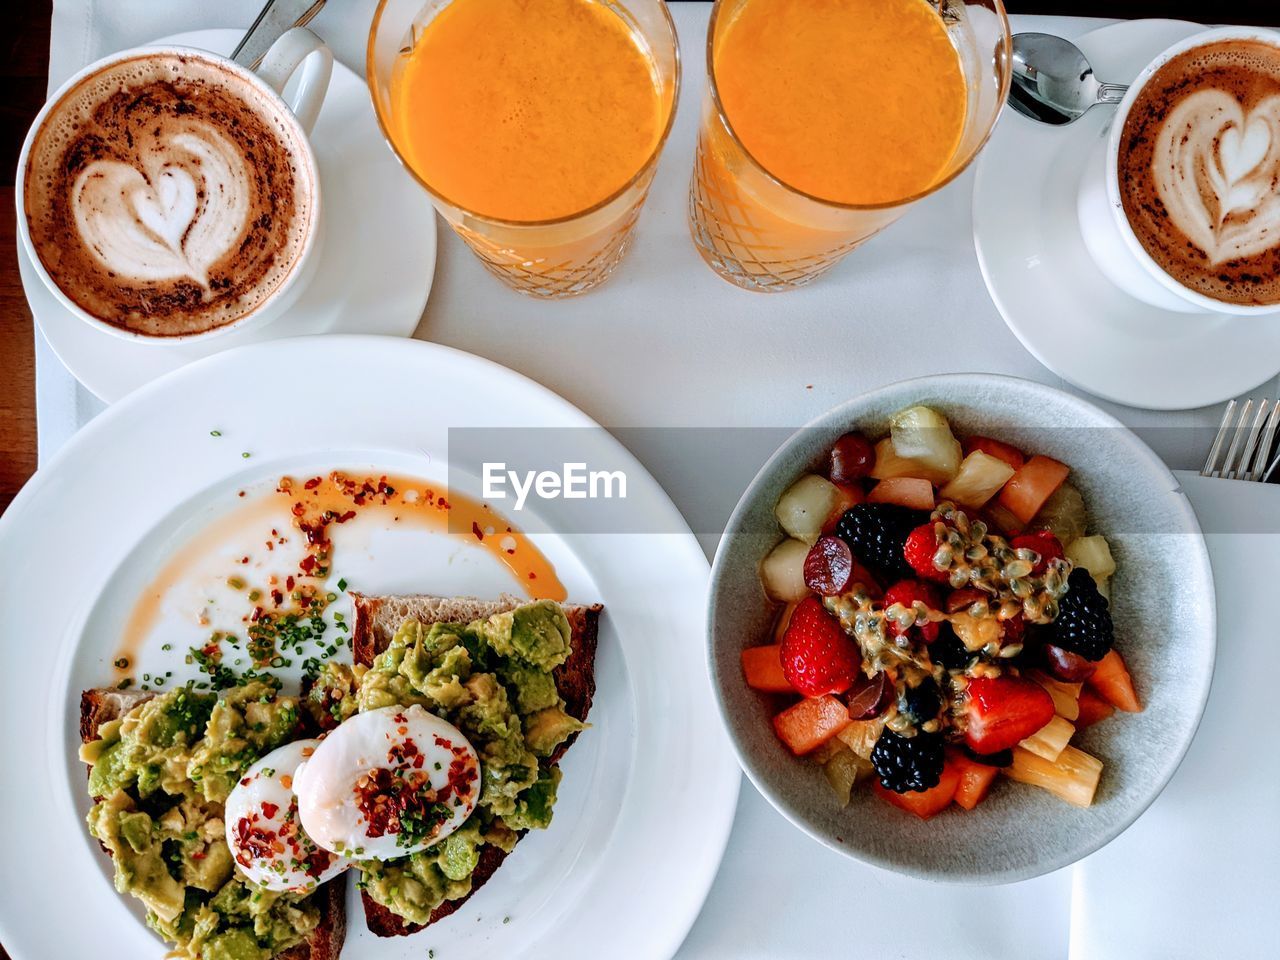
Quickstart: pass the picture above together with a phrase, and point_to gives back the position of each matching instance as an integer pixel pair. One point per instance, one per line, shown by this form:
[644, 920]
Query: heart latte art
[1216, 170]
[163, 195]
[1199, 170]
[173, 219]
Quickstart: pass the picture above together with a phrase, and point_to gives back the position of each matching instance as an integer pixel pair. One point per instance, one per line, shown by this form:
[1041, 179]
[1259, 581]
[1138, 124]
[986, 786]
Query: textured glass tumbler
[762, 234]
[548, 259]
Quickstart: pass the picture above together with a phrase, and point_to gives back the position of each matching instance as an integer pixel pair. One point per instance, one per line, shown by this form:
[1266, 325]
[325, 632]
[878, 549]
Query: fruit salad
[945, 619]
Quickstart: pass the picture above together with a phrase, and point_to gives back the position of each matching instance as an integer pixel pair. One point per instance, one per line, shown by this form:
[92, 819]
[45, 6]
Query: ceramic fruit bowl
[1162, 604]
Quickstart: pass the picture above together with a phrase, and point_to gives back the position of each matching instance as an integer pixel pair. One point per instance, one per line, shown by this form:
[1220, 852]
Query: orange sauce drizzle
[317, 504]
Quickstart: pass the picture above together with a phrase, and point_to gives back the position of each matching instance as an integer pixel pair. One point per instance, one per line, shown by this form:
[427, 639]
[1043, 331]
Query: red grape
[867, 699]
[1067, 666]
[852, 457]
[828, 567]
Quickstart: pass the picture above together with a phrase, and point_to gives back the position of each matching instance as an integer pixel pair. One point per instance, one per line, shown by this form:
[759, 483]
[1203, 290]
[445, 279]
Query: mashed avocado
[492, 680]
[162, 774]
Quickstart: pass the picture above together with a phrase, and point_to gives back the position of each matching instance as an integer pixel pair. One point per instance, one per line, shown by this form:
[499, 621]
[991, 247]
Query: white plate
[649, 792]
[377, 256]
[1050, 292]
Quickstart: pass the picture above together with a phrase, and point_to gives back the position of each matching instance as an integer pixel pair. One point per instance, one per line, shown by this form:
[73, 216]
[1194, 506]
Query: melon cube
[1032, 485]
[804, 508]
[889, 465]
[782, 571]
[980, 478]
[807, 725]
[922, 434]
[762, 668]
[904, 491]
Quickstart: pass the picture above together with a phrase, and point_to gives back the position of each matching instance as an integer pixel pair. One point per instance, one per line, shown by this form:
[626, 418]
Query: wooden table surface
[24, 36]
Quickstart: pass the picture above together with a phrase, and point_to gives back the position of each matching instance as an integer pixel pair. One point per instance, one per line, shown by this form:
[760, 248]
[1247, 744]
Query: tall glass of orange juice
[825, 119]
[535, 125]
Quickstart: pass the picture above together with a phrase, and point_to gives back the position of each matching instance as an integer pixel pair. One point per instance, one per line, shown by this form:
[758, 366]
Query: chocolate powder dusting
[234, 235]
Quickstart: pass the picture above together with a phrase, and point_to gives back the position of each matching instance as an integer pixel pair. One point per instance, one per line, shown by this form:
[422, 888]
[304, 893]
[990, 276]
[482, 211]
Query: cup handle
[298, 49]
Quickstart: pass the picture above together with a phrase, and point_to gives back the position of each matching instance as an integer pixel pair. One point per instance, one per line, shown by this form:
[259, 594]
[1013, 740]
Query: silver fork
[1248, 436]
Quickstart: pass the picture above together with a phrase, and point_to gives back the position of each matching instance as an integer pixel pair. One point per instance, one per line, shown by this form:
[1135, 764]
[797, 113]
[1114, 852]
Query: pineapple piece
[981, 476]
[784, 619]
[1063, 514]
[1104, 588]
[782, 571]
[1094, 554]
[1051, 739]
[889, 466]
[921, 434]
[828, 750]
[804, 508]
[1066, 696]
[1073, 776]
[861, 735]
[844, 770]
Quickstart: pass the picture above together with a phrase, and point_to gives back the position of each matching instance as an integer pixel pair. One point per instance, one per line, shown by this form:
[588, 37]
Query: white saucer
[377, 257]
[1050, 292]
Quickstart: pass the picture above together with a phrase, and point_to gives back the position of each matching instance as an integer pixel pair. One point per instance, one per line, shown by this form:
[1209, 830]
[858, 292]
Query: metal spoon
[276, 17]
[1053, 81]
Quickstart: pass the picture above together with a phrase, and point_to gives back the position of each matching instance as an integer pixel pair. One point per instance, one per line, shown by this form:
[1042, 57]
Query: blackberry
[947, 650]
[908, 763]
[876, 533]
[921, 703]
[1083, 624]
[1001, 758]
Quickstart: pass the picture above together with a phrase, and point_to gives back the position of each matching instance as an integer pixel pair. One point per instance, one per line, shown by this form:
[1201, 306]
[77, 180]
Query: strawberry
[907, 593]
[817, 655]
[1042, 542]
[921, 545]
[1001, 712]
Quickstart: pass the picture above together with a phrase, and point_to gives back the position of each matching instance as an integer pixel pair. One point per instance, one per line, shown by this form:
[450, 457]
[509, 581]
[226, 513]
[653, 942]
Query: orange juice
[527, 110]
[852, 101]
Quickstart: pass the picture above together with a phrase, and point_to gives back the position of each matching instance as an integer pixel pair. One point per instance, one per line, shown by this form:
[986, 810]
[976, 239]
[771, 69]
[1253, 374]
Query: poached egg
[387, 783]
[264, 831]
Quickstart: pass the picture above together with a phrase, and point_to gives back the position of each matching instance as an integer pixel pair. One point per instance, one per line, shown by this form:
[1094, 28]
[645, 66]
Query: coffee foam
[164, 194]
[1199, 170]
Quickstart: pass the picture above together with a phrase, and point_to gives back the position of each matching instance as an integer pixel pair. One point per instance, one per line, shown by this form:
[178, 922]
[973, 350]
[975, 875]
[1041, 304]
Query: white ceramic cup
[298, 53]
[1110, 239]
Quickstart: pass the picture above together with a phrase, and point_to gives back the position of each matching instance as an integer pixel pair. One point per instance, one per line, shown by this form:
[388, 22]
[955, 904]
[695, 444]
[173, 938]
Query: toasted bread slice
[102, 705]
[376, 621]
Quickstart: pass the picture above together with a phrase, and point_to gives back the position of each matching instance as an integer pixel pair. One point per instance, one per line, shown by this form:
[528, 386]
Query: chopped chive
[215, 433]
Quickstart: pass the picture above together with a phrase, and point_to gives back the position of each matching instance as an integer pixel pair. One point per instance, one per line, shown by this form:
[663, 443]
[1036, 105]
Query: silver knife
[276, 17]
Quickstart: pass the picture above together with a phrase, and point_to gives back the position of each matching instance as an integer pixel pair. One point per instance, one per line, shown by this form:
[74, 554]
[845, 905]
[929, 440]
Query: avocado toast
[378, 622]
[312, 927]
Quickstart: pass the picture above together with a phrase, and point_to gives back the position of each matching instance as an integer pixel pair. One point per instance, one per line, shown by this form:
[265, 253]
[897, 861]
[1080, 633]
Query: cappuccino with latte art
[165, 195]
[1199, 170]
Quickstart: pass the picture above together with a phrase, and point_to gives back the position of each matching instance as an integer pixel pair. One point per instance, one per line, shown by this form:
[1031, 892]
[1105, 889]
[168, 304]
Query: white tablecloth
[667, 344]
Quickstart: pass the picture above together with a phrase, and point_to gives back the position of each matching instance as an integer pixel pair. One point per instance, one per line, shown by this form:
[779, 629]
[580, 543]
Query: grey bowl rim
[847, 410]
